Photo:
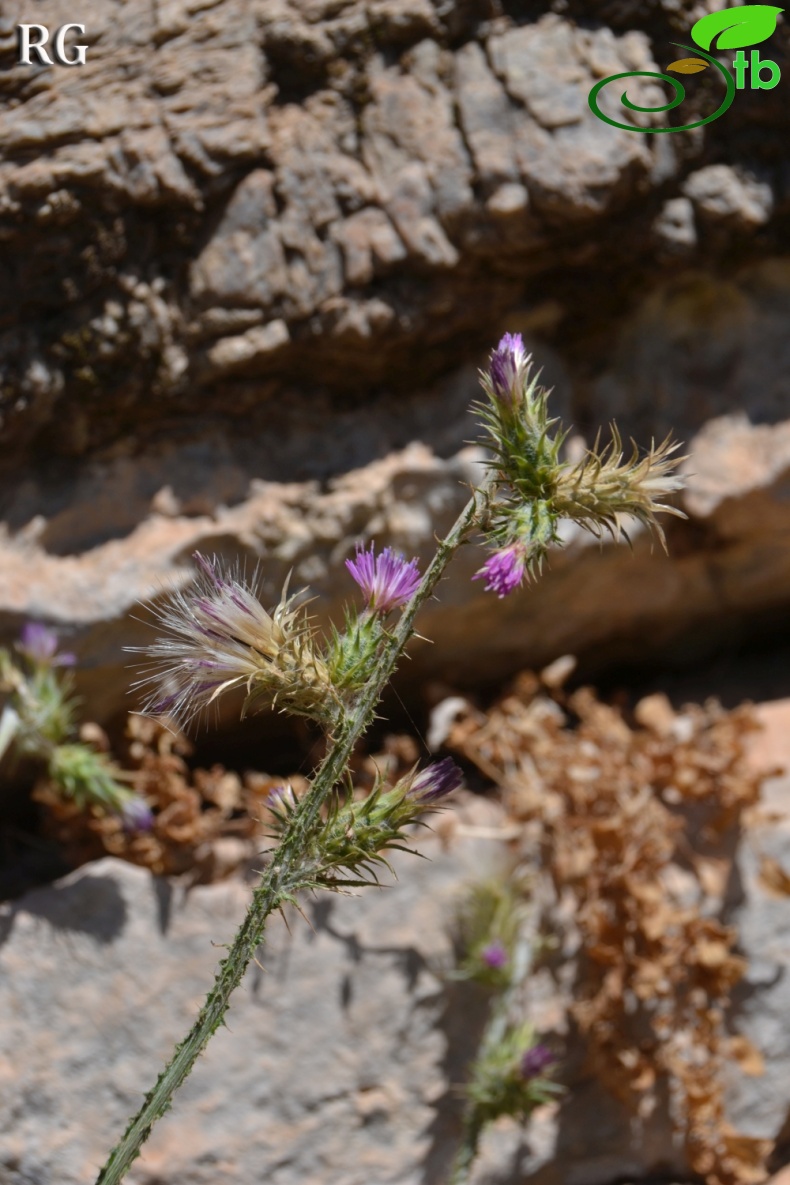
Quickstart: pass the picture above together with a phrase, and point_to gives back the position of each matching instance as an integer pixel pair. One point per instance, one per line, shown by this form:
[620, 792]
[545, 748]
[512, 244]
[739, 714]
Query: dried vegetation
[636, 821]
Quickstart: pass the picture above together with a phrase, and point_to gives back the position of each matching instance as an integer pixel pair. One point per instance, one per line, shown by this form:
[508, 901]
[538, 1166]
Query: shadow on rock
[93, 906]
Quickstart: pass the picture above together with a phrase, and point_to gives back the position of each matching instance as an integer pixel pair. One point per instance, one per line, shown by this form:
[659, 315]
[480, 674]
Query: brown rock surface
[241, 244]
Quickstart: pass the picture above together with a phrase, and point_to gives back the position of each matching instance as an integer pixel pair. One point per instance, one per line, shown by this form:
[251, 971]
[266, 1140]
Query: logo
[735, 28]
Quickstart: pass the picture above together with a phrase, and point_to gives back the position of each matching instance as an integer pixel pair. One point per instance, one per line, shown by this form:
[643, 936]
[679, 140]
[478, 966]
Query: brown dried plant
[637, 823]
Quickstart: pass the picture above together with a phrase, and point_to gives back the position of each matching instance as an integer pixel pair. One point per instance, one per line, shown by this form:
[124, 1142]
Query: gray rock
[335, 1061]
[720, 192]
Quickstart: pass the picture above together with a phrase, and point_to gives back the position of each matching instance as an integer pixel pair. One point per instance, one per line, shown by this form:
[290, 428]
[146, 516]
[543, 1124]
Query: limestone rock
[335, 1062]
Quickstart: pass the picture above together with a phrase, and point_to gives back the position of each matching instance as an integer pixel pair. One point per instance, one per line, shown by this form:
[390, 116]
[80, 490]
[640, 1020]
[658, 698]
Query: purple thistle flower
[507, 369]
[136, 814]
[536, 1060]
[40, 645]
[494, 956]
[387, 580]
[504, 570]
[435, 781]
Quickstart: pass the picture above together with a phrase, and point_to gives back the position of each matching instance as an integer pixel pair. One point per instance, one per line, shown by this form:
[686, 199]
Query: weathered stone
[369, 243]
[700, 347]
[241, 244]
[336, 1059]
[675, 226]
[720, 192]
[573, 164]
[487, 117]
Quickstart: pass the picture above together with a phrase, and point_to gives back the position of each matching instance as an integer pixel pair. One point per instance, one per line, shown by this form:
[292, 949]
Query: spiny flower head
[504, 570]
[507, 369]
[358, 832]
[434, 782]
[218, 636]
[387, 580]
[40, 645]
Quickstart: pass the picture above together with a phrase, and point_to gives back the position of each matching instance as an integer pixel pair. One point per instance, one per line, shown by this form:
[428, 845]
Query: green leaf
[688, 65]
[736, 27]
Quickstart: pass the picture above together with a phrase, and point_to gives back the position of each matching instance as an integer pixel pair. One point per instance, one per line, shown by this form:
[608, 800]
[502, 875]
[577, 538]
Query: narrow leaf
[736, 27]
[688, 65]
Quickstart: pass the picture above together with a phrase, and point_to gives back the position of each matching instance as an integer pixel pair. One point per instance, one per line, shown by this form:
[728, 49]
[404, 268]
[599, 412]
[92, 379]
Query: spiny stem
[284, 875]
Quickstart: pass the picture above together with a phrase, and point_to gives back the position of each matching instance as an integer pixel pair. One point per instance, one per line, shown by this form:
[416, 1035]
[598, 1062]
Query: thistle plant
[511, 1073]
[39, 722]
[217, 636]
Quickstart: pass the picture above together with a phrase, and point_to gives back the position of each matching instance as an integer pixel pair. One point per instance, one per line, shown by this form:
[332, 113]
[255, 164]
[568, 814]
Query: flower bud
[507, 369]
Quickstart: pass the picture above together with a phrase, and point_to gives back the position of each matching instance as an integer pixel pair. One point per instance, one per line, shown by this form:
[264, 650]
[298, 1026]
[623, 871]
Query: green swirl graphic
[680, 94]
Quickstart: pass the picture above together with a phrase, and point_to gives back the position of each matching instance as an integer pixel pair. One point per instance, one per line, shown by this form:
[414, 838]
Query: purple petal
[137, 815]
[536, 1060]
[40, 644]
[436, 781]
[504, 570]
[387, 580]
[208, 569]
[494, 955]
[507, 368]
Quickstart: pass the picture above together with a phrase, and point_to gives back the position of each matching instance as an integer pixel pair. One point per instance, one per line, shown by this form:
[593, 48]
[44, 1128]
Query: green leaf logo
[736, 27]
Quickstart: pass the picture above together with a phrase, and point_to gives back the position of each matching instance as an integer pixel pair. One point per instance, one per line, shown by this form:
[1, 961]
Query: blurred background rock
[253, 252]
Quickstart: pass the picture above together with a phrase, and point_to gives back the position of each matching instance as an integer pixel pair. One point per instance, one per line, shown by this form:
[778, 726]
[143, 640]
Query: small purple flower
[281, 797]
[136, 814]
[536, 1060]
[40, 645]
[387, 580]
[494, 956]
[507, 369]
[504, 570]
[435, 781]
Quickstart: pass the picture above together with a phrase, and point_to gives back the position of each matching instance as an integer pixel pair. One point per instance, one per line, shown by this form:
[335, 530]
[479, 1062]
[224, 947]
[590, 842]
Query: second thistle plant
[39, 721]
[511, 1072]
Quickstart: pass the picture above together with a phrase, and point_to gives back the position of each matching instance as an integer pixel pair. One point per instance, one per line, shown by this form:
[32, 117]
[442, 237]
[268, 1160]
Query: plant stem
[283, 876]
[465, 1156]
[495, 1030]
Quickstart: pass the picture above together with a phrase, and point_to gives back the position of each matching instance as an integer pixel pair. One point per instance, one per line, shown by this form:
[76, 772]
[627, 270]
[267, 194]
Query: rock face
[254, 250]
[343, 1049]
[335, 1063]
